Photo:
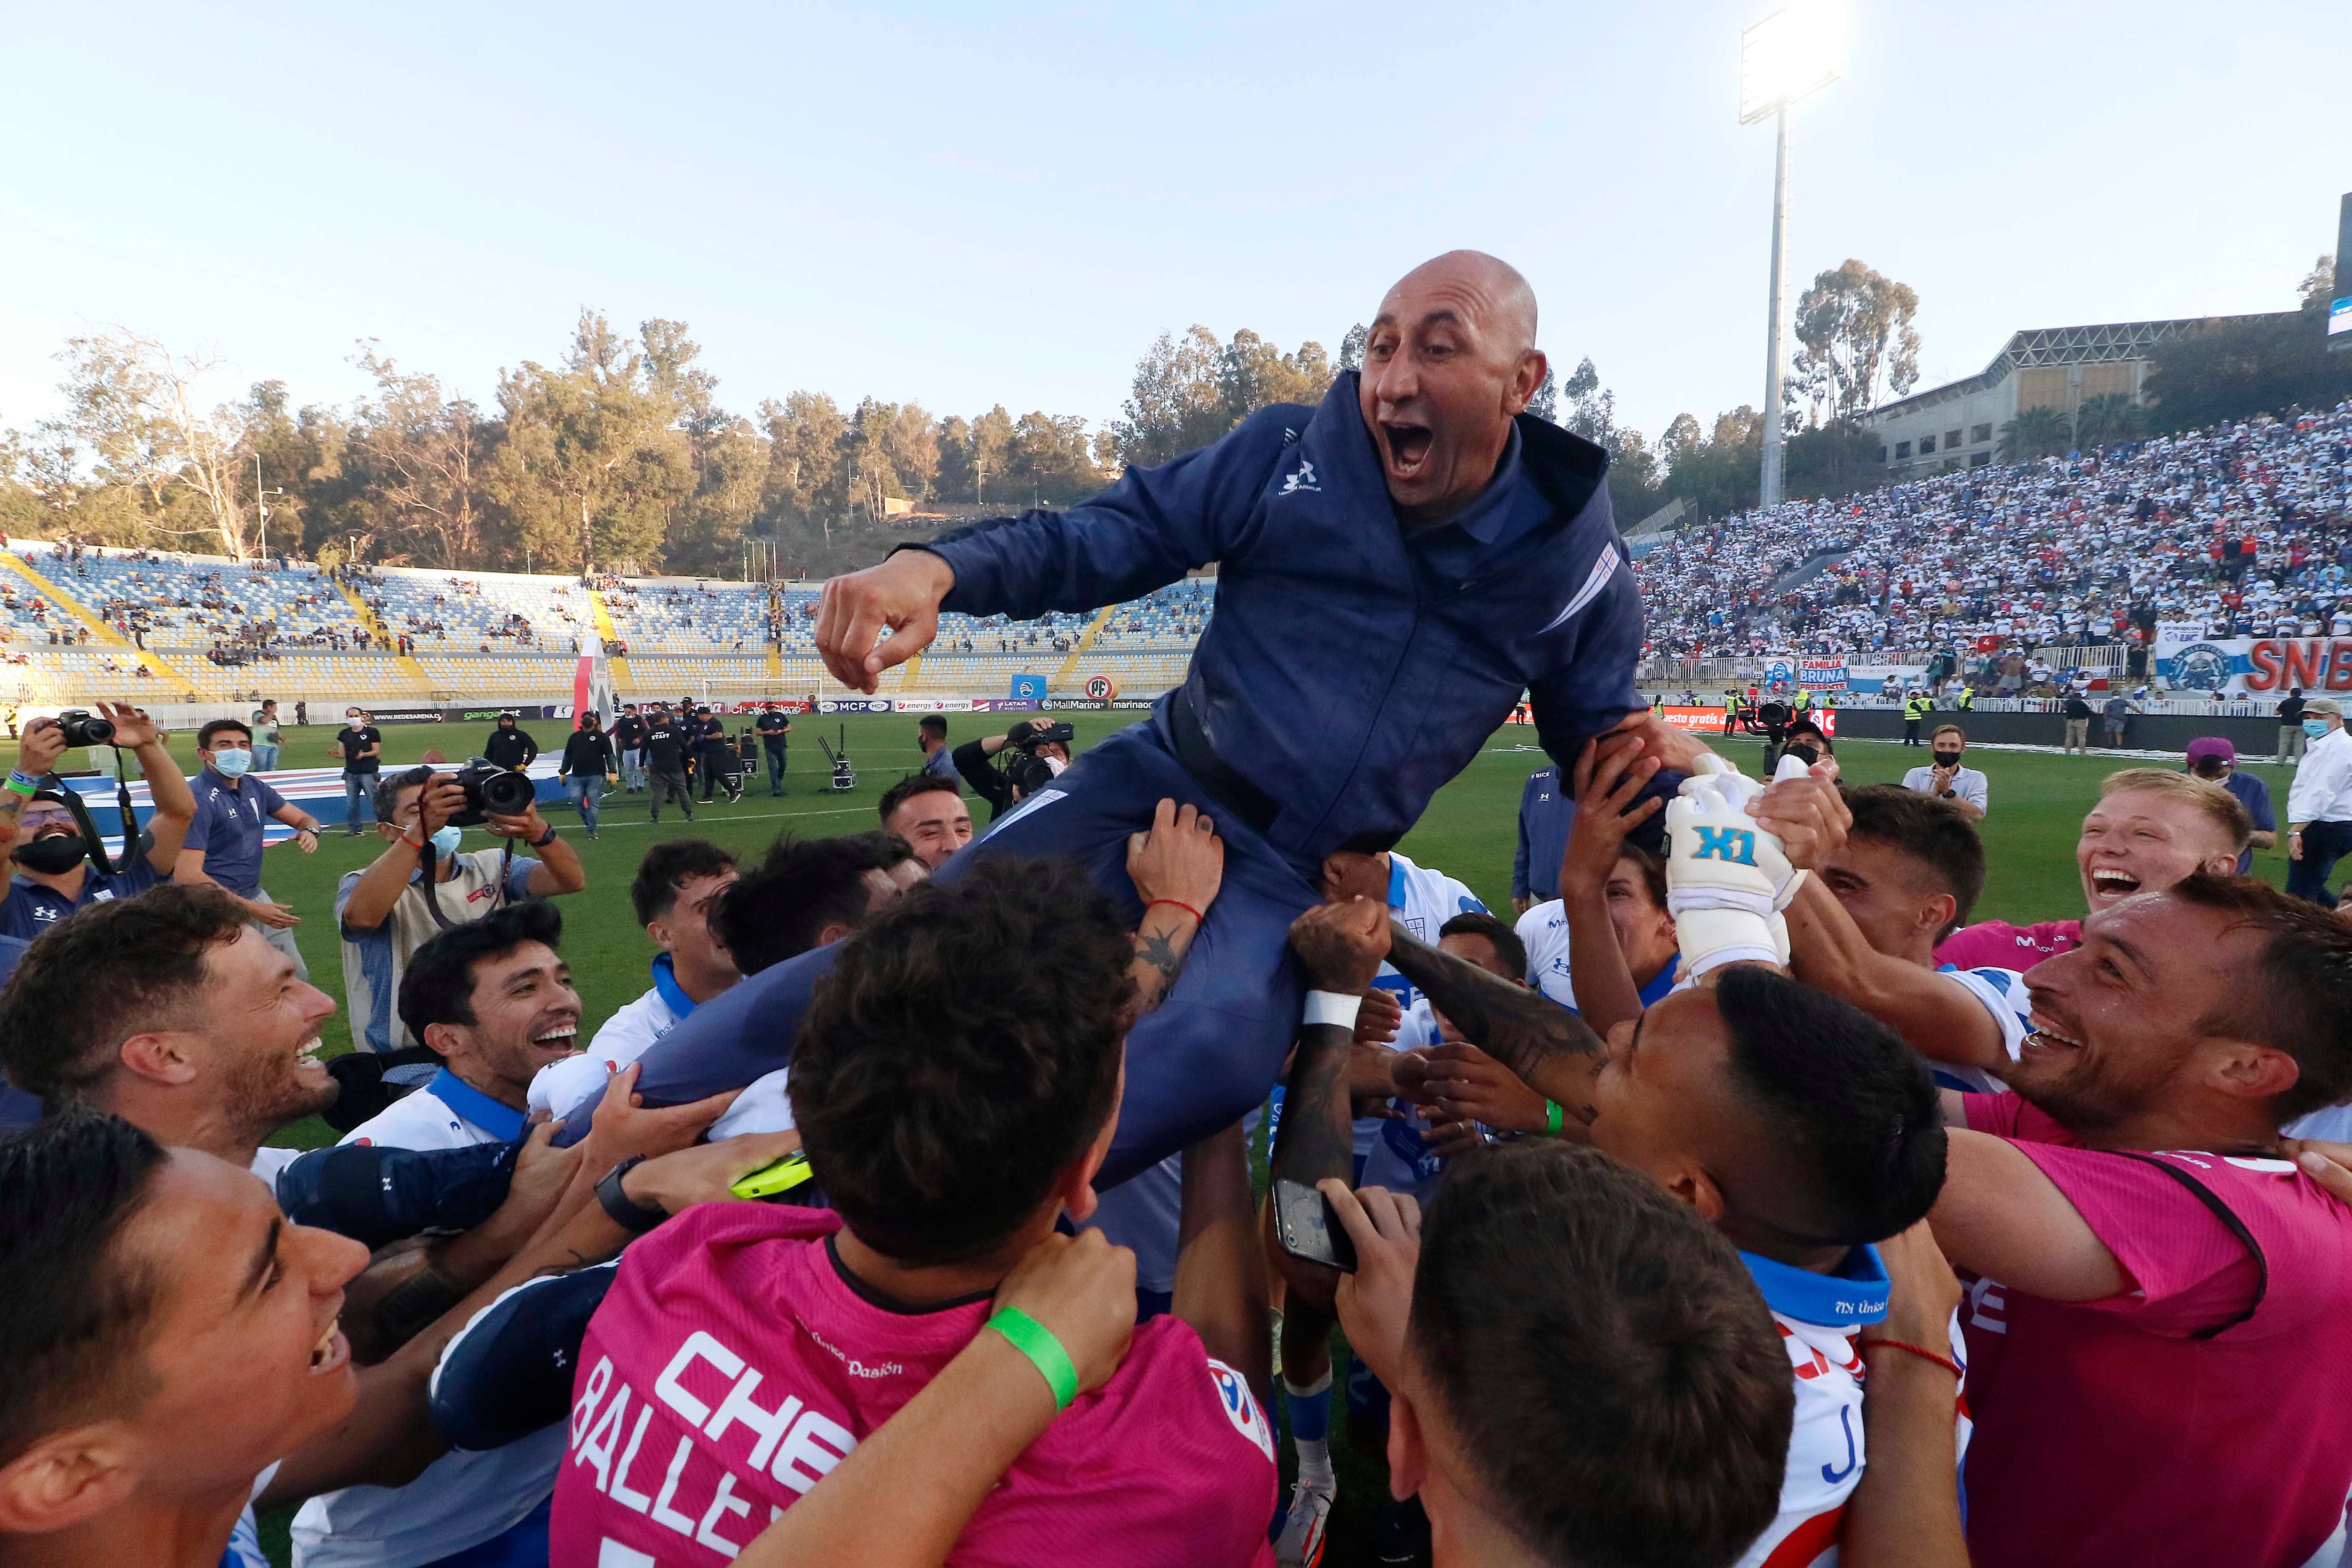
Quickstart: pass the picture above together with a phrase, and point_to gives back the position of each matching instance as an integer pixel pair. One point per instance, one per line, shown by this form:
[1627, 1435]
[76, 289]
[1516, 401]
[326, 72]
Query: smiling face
[244, 1355]
[2138, 841]
[937, 821]
[526, 1014]
[1891, 897]
[1450, 361]
[685, 934]
[259, 1022]
[2119, 1023]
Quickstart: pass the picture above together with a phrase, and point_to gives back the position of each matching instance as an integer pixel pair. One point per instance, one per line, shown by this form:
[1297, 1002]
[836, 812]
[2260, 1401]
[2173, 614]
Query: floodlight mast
[1788, 54]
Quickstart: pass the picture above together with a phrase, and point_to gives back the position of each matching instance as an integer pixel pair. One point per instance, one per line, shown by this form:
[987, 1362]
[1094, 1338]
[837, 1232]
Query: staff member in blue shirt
[1546, 813]
[224, 844]
[54, 876]
[2215, 760]
[1397, 565]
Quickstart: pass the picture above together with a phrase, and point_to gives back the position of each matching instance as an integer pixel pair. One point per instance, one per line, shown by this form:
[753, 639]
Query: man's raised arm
[1143, 533]
[1549, 1048]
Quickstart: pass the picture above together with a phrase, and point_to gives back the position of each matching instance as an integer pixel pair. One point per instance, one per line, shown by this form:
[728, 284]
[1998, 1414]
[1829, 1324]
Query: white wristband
[1332, 1007]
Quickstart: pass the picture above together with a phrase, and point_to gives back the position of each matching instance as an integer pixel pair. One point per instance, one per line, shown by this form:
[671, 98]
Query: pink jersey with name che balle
[733, 1366]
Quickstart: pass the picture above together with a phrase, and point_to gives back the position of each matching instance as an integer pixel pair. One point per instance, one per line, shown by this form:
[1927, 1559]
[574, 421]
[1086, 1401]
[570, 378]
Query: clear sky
[965, 204]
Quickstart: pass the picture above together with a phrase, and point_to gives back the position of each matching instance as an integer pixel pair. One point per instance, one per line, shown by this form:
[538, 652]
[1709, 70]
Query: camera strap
[94, 846]
[433, 883]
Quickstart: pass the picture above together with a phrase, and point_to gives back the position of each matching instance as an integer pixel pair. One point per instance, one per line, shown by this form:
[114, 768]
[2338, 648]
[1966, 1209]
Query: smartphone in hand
[1306, 1225]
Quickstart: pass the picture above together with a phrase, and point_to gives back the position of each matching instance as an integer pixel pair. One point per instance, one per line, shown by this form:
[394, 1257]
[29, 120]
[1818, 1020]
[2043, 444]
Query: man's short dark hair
[1509, 949]
[1853, 1108]
[933, 724]
[73, 1317]
[1620, 1389]
[2298, 996]
[1934, 833]
[775, 910]
[219, 726]
[963, 1050]
[669, 866]
[119, 968]
[438, 986]
[913, 784]
[388, 788]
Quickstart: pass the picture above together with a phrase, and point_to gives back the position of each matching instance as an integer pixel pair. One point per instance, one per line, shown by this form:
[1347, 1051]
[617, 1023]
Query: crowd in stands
[2245, 529]
[1648, 1236]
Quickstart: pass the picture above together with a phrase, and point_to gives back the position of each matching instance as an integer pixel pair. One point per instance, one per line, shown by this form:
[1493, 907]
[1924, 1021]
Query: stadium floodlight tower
[1795, 51]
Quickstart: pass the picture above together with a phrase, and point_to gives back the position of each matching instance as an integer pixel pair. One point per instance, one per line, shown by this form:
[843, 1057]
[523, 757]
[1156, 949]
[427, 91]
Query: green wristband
[1551, 1118]
[1036, 1341]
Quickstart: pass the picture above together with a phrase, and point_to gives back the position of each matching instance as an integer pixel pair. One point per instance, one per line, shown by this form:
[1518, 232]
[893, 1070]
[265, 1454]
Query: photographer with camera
[388, 910]
[223, 842]
[1043, 751]
[60, 867]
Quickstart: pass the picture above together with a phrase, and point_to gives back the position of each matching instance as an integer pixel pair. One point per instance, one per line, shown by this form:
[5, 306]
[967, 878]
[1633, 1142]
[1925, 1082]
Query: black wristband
[631, 1216]
[543, 842]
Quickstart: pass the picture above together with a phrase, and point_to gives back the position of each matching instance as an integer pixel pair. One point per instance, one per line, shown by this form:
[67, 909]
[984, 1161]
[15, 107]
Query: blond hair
[2216, 804]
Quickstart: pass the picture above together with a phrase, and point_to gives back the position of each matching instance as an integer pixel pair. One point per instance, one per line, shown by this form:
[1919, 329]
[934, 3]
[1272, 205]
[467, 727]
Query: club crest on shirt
[1234, 1398]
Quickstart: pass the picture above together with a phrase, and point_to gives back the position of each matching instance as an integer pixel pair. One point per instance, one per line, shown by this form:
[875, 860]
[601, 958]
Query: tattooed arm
[1548, 1046]
[1177, 867]
[1335, 943]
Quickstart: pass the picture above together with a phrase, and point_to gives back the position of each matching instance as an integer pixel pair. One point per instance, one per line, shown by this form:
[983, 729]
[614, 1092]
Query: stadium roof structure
[2108, 343]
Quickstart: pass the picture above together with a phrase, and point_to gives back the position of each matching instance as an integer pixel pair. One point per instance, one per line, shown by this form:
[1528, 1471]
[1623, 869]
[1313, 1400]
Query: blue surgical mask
[445, 841]
[232, 764]
[2315, 728]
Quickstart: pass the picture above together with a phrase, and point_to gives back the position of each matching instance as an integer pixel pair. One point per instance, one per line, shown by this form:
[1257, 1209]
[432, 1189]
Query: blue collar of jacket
[1660, 984]
[502, 1122]
[673, 994]
[1396, 883]
[1854, 1295]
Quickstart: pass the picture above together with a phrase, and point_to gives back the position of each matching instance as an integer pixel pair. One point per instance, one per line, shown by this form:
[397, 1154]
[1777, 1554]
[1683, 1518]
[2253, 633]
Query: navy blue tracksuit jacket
[1349, 671]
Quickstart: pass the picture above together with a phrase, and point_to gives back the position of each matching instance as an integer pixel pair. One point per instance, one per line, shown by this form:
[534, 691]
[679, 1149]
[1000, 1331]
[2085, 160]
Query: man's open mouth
[2043, 1040]
[2114, 881]
[306, 1053]
[331, 1350]
[1408, 446]
[562, 1036]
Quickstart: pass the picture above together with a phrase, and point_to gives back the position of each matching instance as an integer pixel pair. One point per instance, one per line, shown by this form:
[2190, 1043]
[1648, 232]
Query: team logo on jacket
[1234, 1399]
[1300, 479]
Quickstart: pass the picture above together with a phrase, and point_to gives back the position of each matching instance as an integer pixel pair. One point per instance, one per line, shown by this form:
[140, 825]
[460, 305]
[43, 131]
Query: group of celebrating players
[1700, 1216]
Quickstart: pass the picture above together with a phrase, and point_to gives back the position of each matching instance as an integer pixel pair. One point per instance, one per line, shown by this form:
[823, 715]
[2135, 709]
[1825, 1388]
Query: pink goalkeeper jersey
[2200, 1417]
[1997, 944]
[733, 1365]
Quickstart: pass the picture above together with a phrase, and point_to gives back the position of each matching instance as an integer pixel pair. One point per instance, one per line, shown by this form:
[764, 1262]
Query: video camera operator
[384, 912]
[55, 874]
[1770, 719]
[1043, 751]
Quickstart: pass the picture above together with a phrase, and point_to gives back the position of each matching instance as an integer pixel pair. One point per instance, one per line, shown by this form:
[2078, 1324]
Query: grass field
[1469, 830]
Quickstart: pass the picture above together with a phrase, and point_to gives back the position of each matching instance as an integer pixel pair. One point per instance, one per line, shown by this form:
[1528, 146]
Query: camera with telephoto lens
[492, 791]
[83, 727]
[1028, 773]
[1045, 734]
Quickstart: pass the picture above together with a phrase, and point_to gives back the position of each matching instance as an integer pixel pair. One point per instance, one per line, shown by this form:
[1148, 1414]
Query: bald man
[1396, 565]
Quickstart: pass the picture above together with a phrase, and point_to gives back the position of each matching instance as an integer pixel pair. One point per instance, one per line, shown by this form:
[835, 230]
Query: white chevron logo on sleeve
[1596, 580]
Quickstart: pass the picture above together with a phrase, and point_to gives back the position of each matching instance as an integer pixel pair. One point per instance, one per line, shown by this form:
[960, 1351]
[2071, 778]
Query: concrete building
[1957, 425]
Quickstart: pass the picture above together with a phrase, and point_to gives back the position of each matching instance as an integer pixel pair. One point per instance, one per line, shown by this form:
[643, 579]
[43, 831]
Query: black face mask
[53, 856]
[1947, 759]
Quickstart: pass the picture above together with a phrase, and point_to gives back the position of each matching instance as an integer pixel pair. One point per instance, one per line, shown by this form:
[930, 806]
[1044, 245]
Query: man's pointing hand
[901, 596]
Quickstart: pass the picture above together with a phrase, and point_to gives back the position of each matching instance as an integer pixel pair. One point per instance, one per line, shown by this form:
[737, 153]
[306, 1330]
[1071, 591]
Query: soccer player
[1396, 566]
[1802, 1128]
[927, 810]
[2151, 827]
[969, 1028]
[1611, 922]
[677, 884]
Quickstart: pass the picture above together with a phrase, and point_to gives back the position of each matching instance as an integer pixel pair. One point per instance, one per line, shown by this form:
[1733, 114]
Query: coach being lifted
[1395, 566]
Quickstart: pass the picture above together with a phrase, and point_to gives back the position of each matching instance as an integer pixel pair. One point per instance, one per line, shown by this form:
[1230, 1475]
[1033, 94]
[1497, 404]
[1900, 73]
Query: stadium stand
[2244, 529]
[2060, 552]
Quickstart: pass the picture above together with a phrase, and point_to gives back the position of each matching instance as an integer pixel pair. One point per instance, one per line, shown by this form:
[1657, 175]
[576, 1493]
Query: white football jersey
[1819, 1316]
[2003, 994]
[1421, 900]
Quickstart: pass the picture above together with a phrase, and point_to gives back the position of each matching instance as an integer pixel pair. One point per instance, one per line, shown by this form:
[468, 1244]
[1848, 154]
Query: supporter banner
[2244, 667]
[1821, 674]
[2179, 631]
[852, 704]
[1868, 679]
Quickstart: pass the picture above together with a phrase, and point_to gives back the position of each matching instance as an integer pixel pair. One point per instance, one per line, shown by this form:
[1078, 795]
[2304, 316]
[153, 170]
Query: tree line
[620, 456]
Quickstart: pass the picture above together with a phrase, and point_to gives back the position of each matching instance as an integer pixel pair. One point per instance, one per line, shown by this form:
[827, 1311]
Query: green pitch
[1469, 832]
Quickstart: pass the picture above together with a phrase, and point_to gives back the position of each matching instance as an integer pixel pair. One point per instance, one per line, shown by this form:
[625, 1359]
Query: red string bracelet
[1180, 904]
[1947, 1362]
